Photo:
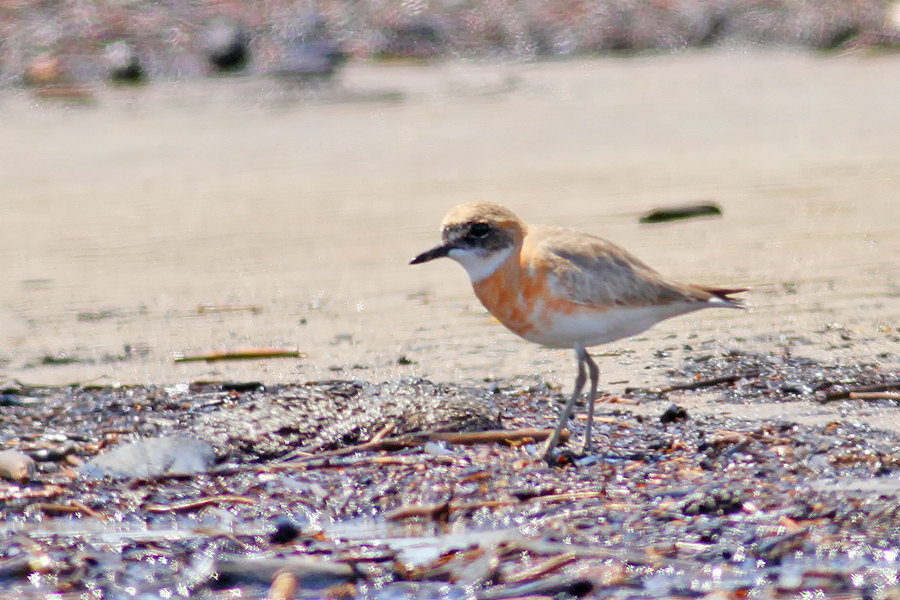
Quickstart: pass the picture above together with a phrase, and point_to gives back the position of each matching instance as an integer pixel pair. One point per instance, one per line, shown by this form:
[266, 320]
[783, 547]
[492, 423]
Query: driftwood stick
[846, 393]
[432, 512]
[557, 585]
[222, 308]
[241, 354]
[346, 463]
[374, 443]
[429, 510]
[625, 556]
[28, 493]
[540, 569]
[72, 507]
[495, 436]
[875, 395]
[199, 503]
[566, 496]
[696, 385]
[379, 441]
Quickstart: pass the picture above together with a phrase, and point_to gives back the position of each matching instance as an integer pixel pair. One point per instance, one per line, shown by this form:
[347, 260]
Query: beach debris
[49, 79]
[13, 398]
[306, 420]
[284, 586]
[198, 503]
[56, 452]
[43, 69]
[68, 93]
[226, 308]
[686, 211]
[309, 51]
[843, 392]
[60, 358]
[98, 315]
[380, 442]
[697, 384]
[415, 39]
[286, 531]
[153, 457]
[763, 503]
[227, 45]
[11, 387]
[16, 466]
[554, 586]
[441, 512]
[432, 512]
[123, 66]
[241, 354]
[541, 568]
[874, 395]
[71, 508]
[672, 414]
[310, 573]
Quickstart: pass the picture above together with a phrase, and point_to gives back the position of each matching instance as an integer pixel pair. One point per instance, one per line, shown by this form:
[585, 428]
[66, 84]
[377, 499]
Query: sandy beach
[123, 216]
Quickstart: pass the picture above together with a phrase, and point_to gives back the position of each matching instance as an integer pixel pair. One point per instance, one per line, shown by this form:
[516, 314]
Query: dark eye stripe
[479, 230]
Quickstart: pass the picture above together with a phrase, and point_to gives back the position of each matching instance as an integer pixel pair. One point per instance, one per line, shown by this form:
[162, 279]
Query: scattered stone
[286, 531]
[154, 457]
[123, 65]
[673, 414]
[54, 453]
[227, 45]
[16, 466]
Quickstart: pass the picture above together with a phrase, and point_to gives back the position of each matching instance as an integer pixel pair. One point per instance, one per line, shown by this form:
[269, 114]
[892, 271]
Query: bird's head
[480, 236]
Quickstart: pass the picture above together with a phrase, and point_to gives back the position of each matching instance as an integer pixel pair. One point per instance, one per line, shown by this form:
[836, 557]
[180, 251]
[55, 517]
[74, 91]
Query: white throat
[477, 263]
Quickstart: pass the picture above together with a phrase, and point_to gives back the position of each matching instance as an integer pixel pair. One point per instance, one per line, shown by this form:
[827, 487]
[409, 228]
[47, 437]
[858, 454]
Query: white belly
[593, 327]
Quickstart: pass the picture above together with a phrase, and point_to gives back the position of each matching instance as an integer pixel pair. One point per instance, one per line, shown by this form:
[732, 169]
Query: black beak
[436, 252]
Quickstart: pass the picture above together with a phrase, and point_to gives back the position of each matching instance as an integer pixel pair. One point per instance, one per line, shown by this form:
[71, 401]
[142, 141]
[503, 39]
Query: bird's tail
[722, 297]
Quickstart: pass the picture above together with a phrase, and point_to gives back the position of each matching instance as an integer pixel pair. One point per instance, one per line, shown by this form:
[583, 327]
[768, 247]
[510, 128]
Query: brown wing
[592, 271]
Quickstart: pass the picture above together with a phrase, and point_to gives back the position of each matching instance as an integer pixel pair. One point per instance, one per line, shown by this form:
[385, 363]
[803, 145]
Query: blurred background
[128, 40]
[187, 177]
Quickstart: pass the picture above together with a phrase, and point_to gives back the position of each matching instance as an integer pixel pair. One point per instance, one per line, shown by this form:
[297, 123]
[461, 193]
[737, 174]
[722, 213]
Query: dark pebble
[672, 414]
[286, 531]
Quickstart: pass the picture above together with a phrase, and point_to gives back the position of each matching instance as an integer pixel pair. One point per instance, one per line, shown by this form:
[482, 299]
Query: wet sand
[121, 217]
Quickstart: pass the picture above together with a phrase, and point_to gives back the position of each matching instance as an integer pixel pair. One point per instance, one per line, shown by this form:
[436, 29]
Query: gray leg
[567, 411]
[595, 379]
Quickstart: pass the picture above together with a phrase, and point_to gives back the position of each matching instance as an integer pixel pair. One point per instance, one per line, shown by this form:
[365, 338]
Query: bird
[563, 288]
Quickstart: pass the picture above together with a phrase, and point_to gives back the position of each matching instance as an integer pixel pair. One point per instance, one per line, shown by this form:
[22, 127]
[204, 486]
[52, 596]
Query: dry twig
[379, 441]
[199, 503]
[844, 394]
[874, 395]
[695, 385]
[241, 354]
[540, 569]
[220, 308]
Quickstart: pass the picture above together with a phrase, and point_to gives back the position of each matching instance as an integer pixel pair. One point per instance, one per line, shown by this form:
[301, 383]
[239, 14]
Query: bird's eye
[479, 230]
